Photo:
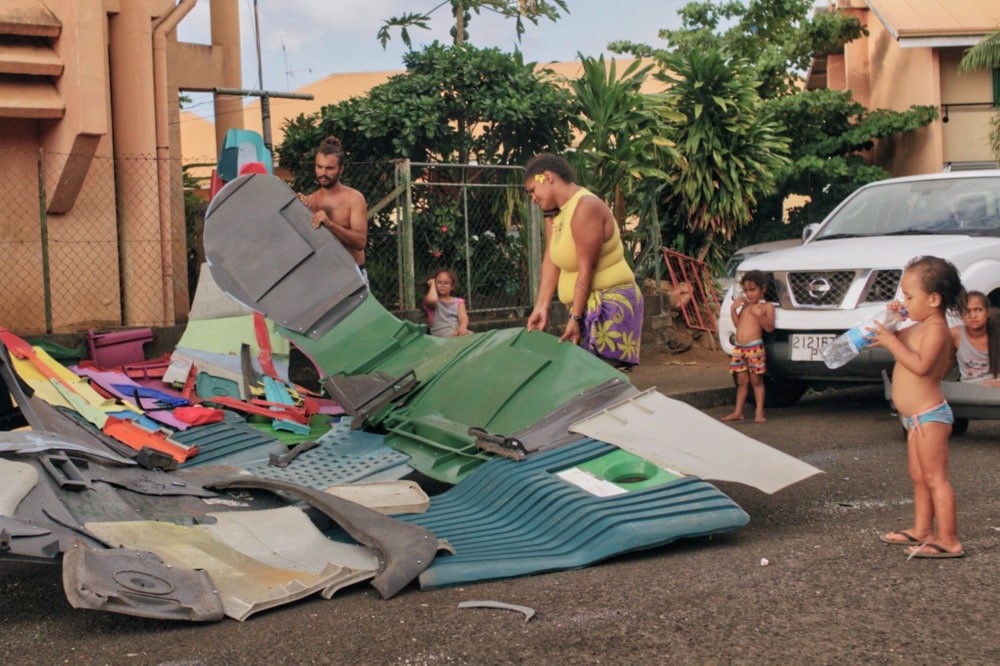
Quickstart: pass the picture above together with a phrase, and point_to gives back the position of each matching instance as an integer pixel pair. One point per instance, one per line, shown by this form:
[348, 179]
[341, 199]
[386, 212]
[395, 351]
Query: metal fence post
[468, 248]
[406, 263]
[43, 220]
[536, 242]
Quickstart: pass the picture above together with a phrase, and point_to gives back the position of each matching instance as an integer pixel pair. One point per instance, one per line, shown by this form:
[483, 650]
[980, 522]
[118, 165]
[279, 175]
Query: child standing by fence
[446, 314]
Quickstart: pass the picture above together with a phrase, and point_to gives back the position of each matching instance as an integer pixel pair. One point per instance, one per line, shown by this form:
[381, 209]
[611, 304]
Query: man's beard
[330, 184]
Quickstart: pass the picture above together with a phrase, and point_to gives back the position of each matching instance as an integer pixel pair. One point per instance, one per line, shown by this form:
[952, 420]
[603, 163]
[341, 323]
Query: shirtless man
[340, 209]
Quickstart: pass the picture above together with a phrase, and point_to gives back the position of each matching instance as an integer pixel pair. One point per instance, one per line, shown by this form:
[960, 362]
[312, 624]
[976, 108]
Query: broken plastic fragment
[528, 612]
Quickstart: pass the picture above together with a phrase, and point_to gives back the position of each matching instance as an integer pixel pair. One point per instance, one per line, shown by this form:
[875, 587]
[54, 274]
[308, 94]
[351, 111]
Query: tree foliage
[984, 55]
[453, 104]
[623, 154]
[461, 10]
[778, 36]
[830, 136]
[732, 147]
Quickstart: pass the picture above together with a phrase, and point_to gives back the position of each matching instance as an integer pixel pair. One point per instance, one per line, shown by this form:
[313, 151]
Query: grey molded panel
[137, 583]
[552, 430]
[406, 549]
[674, 435]
[18, 479]
[26, 442]
[255, 559]
[264, 252]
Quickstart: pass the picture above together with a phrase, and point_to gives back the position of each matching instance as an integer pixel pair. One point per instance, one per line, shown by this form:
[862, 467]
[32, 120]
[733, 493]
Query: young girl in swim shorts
[931, 287]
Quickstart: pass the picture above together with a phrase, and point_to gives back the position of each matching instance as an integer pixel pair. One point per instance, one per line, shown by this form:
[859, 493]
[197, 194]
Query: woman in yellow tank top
[585, 264]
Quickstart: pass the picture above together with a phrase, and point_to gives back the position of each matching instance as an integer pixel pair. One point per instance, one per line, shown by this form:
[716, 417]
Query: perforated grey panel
[343, 456]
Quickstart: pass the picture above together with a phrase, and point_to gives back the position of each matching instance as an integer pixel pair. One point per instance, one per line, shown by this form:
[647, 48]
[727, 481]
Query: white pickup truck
[849, 267]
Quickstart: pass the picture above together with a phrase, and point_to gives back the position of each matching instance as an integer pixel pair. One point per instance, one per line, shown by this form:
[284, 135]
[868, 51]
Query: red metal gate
[692, 276]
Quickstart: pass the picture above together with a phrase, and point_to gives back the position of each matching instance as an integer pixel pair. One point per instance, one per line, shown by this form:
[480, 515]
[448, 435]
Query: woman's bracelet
[577, 318]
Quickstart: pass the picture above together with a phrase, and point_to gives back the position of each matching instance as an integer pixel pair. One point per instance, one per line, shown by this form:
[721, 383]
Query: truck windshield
[941, 206]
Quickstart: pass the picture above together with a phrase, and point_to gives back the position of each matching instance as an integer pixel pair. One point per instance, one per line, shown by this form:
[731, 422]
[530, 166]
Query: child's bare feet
[735, 416]
[760, 418]
[935, 551]
[905, 538]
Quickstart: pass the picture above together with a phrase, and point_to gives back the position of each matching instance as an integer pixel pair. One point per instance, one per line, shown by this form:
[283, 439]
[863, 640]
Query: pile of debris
[207, 484]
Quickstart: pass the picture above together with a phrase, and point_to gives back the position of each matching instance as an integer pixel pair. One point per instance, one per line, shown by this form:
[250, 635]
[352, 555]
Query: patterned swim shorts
[749, 358]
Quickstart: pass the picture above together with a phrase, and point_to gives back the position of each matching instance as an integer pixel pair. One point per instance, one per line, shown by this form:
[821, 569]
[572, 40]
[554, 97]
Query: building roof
[938, 22]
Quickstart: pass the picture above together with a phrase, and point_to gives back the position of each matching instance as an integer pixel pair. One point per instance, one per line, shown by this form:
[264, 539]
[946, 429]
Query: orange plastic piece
[138, 438]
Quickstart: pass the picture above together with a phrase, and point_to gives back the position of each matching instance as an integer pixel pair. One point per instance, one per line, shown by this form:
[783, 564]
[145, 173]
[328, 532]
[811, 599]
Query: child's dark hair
[450, 273]
[939, 276]
[756, 277]
[992, 332]
[549, 162]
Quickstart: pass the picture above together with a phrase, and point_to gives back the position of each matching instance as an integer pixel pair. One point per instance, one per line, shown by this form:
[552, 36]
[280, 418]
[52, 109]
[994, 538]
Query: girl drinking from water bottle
[931, 287]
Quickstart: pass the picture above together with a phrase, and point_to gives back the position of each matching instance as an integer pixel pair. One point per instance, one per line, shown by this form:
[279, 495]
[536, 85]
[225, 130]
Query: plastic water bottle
[846, 346]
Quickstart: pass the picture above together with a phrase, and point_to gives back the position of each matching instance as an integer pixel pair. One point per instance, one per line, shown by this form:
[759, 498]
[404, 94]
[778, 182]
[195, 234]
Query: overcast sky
[302, 41]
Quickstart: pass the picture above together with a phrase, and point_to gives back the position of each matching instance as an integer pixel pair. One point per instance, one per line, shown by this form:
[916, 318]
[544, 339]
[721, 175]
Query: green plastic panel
[628, 471]
[371, 339]
[504, 384]
[501, 380]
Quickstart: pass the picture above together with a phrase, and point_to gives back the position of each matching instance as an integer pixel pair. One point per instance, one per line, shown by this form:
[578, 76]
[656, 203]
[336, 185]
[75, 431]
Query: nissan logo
[819, 288]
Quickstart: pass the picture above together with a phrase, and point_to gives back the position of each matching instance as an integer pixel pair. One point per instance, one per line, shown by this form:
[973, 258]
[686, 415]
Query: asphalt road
[807, 581]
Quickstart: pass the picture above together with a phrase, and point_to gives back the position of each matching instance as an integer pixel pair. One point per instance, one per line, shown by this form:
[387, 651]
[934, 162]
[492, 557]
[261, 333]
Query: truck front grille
[819, 289]
[882, 286]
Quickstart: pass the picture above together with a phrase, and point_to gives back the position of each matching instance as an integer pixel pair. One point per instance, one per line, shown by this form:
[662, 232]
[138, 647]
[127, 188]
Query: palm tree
[732, 150]
[519, 10]
[623, 154]
[986, 55]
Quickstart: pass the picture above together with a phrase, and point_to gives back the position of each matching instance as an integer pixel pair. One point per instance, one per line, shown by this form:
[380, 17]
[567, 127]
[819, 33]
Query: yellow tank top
[612, 269]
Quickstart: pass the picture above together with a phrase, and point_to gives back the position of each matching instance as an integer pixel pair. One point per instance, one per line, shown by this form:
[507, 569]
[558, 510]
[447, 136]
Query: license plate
[806, 346]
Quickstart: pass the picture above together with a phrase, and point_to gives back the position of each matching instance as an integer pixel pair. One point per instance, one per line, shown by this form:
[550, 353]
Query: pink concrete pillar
[226, 35]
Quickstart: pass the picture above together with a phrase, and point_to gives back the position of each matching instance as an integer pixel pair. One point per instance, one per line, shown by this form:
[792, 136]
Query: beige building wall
[905, 77]
[910, 57]
[966, 132]
[90, 188]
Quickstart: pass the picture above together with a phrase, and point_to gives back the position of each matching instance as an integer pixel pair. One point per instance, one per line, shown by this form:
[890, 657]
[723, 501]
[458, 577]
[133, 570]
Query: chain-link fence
[94, 252]
[474, 220]
[83, 242]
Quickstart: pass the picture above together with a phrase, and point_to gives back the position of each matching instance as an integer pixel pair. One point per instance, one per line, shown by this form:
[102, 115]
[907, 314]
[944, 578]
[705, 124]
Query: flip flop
[907, 540]
[936, 552]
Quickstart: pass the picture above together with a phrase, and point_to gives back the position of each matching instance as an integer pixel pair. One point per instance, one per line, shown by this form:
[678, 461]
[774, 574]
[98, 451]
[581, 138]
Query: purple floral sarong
[612, 324]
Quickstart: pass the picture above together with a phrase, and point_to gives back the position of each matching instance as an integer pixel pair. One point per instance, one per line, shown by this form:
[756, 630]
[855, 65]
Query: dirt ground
[807, 581]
